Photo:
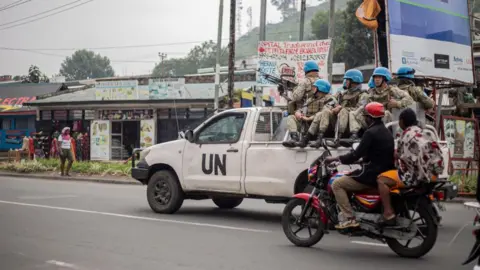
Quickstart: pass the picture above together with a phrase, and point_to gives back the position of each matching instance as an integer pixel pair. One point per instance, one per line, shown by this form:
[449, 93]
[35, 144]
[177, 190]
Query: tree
[200, 56]
[287, 7]
[86, 64]
[352, 41]
[17, 78]
[34, 76]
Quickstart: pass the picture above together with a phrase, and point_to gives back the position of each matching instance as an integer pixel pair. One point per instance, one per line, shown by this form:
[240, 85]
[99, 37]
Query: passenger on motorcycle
[377, 151]
[419, 159]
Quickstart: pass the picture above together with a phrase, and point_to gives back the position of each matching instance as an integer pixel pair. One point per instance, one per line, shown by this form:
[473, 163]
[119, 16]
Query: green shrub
[81, 167]
[466, 184]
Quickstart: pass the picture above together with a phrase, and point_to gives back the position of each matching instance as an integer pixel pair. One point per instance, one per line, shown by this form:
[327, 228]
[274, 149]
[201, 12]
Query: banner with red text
[287, 58]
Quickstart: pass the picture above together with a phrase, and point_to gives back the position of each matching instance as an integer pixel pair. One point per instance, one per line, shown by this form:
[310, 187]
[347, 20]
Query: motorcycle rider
[389, 95]
[405, 76]
[419, 157]
[349, 101]
[304, 90]
[377, 151]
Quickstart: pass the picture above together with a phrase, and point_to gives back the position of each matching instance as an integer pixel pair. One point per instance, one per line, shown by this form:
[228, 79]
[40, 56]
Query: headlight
[144, 154]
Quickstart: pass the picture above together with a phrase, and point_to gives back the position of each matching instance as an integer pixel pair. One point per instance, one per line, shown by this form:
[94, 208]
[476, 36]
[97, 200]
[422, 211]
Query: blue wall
[13, 137]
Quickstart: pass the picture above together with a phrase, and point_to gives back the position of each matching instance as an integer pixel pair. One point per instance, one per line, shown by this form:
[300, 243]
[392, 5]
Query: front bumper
[141, 172]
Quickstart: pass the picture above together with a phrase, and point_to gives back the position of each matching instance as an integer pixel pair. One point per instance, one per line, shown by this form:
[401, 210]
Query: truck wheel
[164, 193]
[227, 203]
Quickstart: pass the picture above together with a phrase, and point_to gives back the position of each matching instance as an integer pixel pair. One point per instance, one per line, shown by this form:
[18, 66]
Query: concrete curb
[71, 178]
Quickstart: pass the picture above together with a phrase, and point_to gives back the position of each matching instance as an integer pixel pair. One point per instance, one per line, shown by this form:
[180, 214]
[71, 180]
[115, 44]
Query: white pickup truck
[233, 155]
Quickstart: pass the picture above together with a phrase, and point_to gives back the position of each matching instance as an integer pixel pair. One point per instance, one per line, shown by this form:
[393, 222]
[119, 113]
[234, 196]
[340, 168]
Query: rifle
[283, 84]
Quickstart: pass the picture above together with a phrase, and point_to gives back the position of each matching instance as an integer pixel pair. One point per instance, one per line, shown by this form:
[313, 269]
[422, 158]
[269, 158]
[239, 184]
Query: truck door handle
[234, 150]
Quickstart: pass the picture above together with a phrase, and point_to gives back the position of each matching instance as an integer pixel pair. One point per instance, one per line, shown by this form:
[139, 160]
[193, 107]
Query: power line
[35, 15]
[34, 20]
[14, 4]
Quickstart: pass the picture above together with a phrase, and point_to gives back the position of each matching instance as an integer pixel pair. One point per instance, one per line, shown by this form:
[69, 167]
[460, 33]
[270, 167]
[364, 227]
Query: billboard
[288, 58]
[116, 90]
[432, 36]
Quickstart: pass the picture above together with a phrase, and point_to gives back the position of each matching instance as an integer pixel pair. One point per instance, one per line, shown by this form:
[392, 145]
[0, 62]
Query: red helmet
[375, 110]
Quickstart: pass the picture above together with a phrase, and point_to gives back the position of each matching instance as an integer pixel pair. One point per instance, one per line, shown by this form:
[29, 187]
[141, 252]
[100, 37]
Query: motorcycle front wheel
[293, 224]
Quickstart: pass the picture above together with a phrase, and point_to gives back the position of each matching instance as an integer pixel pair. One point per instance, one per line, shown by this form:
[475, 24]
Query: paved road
[72, 225]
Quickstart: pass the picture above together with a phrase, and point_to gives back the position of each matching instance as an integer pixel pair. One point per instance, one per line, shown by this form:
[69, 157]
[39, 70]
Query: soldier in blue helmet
[405, 77]
[349, 102]
[319, 116]
[387, 94]
[296, 107]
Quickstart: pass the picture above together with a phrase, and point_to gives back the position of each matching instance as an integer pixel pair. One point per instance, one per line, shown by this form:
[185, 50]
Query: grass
[82, 167]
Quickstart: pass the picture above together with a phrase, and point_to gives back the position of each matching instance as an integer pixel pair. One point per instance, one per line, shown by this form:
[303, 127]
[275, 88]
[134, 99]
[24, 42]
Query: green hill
[282, 31]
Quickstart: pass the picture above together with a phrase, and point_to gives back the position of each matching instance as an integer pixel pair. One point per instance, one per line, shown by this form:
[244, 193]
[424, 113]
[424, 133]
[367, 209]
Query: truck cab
[233, 155]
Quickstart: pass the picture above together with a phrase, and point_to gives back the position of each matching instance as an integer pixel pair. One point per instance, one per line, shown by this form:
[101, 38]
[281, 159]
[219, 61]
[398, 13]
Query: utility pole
[303, 8]
[263, 20]
[162, 57]
[258, 91]
[219, 51]
[331, 33]
[231, 53]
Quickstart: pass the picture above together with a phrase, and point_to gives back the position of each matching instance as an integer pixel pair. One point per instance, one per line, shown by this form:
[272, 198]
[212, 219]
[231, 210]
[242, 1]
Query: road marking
[369, 243]
[458, 233]
[62, 264]
[46, 197]
[138, 217]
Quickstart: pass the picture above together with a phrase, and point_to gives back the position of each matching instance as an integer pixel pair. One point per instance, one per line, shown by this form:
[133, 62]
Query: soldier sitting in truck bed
[404, 81]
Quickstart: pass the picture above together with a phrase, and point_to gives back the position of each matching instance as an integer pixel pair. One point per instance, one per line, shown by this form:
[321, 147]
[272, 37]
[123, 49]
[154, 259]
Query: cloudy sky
[111, 23]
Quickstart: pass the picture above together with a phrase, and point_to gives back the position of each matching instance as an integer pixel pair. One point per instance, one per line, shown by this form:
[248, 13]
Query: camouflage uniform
[416, 93]
[293, 124]
[302, 92]
[323, 114]
[382, 96]
[350, 100]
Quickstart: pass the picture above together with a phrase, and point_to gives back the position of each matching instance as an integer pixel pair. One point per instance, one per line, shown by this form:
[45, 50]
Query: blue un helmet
[323, 86]
[406, 72]
[371, 83]
[384, 72]
[310, 66]
[354, 75]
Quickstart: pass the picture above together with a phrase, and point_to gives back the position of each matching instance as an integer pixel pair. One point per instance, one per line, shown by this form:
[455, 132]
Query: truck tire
[227, 203]
[164, 193]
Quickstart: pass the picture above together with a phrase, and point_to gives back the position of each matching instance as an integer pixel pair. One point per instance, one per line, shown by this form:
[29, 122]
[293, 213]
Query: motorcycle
[475, 252]
[319, 210]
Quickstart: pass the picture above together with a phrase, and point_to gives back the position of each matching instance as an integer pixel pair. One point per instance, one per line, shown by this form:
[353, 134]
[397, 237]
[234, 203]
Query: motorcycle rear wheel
[311, 214]
[430, 232]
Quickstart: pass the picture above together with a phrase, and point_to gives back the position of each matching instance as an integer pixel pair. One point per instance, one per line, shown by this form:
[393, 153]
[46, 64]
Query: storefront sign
[100, 140]
[126, 115]
[288, 58]
[147, 133]
[89, 114]
[116, 90]
[59, 115]
[166, 89]
[7, 104]
[460, 136]
[76, 115]
[46, 115]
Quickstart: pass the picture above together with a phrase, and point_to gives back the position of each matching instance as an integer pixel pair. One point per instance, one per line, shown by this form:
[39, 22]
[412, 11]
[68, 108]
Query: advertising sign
[287, 58]
[166, 89]
[116, 90]
[147, 133]
[100, 140]
[431, 36]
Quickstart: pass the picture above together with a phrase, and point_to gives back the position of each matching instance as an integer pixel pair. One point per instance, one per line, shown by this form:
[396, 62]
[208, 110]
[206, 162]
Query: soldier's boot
[318, 142]
[304, 141]
[293, 140]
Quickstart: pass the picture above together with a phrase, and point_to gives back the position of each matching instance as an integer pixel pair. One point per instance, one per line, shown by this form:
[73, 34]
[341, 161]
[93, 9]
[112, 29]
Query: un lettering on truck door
[213, 163]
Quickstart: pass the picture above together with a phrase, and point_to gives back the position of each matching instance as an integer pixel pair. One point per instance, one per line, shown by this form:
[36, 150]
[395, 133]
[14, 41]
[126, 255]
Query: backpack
[421, 155]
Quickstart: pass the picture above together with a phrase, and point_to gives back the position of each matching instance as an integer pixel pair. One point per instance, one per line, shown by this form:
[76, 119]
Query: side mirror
[355, 145]
[189, 136]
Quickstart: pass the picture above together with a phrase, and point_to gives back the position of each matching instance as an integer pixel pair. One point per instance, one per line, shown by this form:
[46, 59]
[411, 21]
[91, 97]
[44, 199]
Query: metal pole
[331, 33]
[303, 8]
[263, 20]
[162, 56]
[438, 113]
[219, 50]
[231, 53]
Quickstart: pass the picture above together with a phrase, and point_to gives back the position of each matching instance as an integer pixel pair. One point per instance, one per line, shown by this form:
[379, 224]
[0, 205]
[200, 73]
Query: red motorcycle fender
[315, 204]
